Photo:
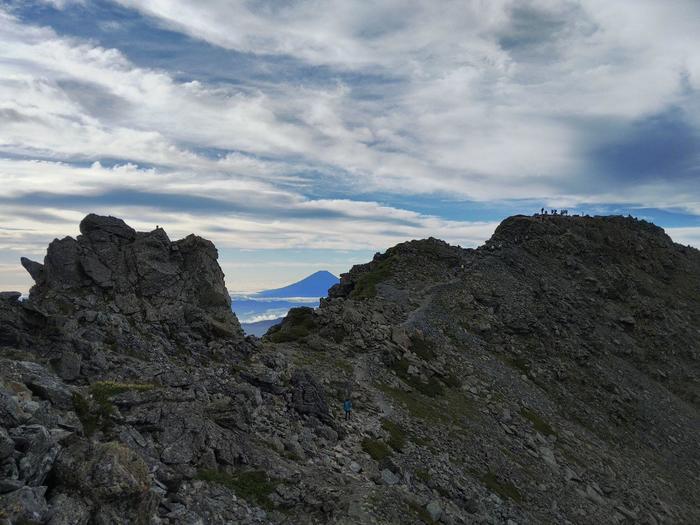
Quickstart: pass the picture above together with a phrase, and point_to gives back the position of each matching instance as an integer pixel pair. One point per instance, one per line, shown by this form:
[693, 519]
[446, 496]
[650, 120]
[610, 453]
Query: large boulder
[26, 505]
[112, 477]
[308, 397]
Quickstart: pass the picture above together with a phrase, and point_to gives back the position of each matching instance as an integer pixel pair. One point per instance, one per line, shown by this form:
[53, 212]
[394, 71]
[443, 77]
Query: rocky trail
[549, 376]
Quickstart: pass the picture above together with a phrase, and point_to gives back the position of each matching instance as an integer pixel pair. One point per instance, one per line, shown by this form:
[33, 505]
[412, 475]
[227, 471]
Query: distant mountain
[260, 328]
[259, 311]
[315, 285]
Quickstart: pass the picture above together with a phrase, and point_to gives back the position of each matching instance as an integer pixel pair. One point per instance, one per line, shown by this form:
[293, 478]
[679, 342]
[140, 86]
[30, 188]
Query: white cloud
[483, 100]
[689, 236]
[464, 116]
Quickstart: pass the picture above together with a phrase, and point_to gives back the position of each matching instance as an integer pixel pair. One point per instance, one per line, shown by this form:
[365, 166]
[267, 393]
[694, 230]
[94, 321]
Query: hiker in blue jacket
[347, 407]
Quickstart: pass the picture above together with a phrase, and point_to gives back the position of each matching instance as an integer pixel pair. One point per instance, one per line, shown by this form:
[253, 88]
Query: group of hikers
[543, 211]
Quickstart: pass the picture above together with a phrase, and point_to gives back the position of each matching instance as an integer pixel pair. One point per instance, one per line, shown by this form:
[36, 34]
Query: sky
[301, 135]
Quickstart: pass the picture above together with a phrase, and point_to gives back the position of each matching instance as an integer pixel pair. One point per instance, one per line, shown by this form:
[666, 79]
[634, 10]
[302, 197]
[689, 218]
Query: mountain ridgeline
[549, 376]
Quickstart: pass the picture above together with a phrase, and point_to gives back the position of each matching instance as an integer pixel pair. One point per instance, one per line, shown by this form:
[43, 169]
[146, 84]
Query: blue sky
[300, 135]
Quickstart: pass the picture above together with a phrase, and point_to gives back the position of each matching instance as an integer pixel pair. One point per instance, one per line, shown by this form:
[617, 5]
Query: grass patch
[518, 363]
[537, 422]
[423, 475]
[252, 485]
[502, 488]
[298, 323]
[112, 388]
[90, 421]
[458, 405]
[376, 449]
[97, 416]
[397, 435]
[432, 388]
[366, 285]
[416, 404]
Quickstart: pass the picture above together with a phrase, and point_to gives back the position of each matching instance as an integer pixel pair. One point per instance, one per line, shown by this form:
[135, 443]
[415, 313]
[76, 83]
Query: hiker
[347, 407]
[542, 211]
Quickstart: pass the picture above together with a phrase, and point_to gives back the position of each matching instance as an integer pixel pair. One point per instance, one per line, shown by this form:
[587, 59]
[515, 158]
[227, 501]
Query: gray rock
[48, 387]
[308, 396]
[10, 485]
[434, 509]
[548, 457]
[39, 451]
[35, 269]
[68, 511]
[389, 478]
[174, 292]
[68, 366]
[7, 446]
[10, 296]
[11, 414]
[113, 477]
[61, 265]
[293, 446]
[103, 229]
[26, 505]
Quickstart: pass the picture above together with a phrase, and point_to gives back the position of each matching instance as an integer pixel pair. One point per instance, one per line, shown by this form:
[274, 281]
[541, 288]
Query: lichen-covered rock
[68, 511]
[308, 396]
[39, 450]
[25, 505]
[113, 478]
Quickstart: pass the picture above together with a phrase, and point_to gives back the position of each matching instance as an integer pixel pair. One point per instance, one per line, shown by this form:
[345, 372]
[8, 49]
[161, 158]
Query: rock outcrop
[138, 292]
[549, 376]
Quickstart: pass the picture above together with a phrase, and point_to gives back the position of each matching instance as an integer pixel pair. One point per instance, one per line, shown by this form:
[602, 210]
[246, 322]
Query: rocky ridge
[549, 376]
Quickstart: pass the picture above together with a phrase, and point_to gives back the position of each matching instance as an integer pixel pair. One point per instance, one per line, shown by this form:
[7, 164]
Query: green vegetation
[98, 416]
[417, 405]
[502, 488]
[423, 475]
[252, 485]
[421, 512]
[91, 422]
[376, 449]
[422, 348]
[397, 435]
[458, 405]
[298, 324]
[366, 285]
[432, 388]
[537, 422]
[518, 363]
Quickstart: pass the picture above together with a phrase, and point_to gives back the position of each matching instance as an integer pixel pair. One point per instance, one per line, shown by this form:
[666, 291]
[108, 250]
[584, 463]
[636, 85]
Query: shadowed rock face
[120, 282]
[549, 376]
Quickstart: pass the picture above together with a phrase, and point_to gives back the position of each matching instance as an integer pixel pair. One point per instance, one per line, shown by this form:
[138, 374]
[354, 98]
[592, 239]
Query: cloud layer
[277, 126]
